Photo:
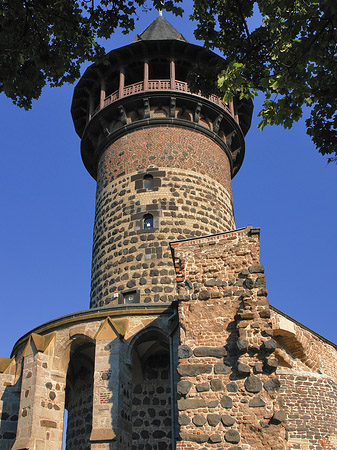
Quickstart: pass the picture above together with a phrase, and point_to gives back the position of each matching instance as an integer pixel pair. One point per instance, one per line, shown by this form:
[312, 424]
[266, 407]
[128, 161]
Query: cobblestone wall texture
[151, 409]
[191, 196]
[80, 405]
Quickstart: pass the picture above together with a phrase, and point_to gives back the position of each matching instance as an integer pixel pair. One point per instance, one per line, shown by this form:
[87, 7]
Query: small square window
[130, 297]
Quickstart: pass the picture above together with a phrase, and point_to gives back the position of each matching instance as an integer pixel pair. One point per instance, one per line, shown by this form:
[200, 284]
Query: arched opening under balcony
[79, 394]
[151, 392]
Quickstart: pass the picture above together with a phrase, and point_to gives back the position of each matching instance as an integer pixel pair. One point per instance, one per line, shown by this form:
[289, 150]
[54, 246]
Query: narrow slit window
[148, 182]
[148, 221]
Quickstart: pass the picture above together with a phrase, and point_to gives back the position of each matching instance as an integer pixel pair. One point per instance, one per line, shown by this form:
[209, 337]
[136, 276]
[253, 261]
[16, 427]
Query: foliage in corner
[46, 41]
[290, 56]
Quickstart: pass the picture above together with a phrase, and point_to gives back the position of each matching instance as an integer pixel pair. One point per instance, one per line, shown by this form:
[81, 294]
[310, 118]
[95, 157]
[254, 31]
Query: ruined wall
[227, 365]
[191, 196]
[235, 387]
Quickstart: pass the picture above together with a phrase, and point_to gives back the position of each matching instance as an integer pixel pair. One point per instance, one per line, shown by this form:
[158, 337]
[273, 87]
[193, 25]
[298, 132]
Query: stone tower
[163, 159]
[180, 348]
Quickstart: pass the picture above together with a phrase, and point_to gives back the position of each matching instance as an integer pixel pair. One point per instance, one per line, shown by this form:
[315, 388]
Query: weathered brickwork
[233, 388]
[227, 365]
[301, 349]
[310, 402]
[182, 202]
[165, 146]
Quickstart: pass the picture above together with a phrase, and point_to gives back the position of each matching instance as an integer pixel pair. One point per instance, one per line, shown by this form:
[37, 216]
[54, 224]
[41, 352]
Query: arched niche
[151, 392]
[79, 393]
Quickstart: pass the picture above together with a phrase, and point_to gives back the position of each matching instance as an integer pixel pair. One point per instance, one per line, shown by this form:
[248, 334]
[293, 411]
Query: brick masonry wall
[300, 349]
[310, 402]
[250, 378]
[228, 386]
[164, 146]
[191, 196]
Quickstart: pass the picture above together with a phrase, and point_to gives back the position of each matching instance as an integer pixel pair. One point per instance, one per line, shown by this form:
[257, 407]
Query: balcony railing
[158, 85]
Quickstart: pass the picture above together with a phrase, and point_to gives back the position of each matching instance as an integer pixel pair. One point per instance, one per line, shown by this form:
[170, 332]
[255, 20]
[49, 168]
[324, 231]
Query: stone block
[243, 369]
[48, 423]
[249, 283]
[183, 387]
[191, 403]
[184, 420]
[203, 387]
[215, 438]
[213, 419]
[232, 436]
[256, 269]
[192, 370]
[272, 363]
[199, 420]
[273, 384]
[184, 352]
[260, 282]
[217, 385]
[212, 404]
[232, 387]
[226, 402]
[227, 420]
[242, 345]
[223, 369]
[257, 402]
[269, 346]
[216, 352]
[204, 295]
[199, 438]
[279, 417]
[253, 384]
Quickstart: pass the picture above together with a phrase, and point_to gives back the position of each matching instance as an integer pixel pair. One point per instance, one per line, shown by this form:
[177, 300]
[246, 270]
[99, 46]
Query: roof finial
[160, 12]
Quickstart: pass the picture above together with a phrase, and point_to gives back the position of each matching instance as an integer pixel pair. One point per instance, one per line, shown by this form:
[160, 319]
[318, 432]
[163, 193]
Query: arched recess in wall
[151, 392]
[79, 393]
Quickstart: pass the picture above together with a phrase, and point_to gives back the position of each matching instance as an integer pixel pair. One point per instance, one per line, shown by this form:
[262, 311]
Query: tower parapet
[163, 158]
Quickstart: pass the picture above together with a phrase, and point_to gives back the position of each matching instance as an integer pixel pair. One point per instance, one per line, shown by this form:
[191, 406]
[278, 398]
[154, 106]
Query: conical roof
[160, 30]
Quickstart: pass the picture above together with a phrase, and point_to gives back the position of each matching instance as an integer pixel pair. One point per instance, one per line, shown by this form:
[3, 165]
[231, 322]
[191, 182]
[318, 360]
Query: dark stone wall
[79, 405]
[151, 408]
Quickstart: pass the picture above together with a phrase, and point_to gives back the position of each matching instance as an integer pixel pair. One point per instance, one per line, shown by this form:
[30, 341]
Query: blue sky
[47, 201]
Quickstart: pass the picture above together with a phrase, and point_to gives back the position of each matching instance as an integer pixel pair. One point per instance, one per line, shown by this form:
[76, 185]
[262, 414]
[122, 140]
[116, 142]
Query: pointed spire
[160, 30]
